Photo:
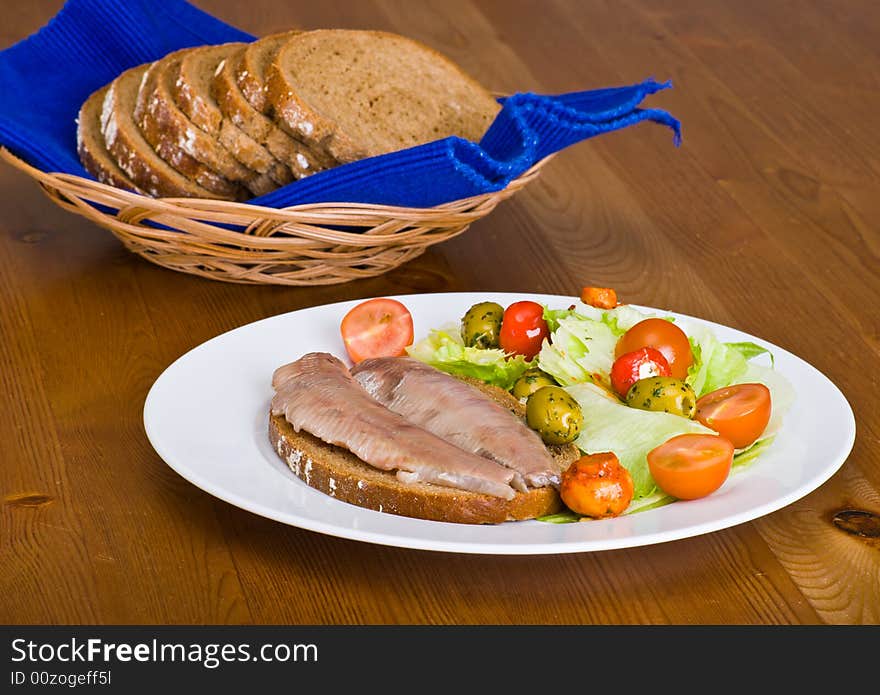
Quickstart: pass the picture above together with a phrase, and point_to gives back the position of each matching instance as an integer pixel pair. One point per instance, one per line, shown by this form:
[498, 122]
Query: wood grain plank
[764, 220]
[829, 250]
[42, 544]
[532, 265]
[95, 359]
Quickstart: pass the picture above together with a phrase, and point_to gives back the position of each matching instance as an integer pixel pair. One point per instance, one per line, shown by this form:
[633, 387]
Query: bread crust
[293, 109]
[180, 142]
[91, 149]
[134, 155]
[296, 155]
[191, 89]
[298, 118]
[340, 474]
[250, 68]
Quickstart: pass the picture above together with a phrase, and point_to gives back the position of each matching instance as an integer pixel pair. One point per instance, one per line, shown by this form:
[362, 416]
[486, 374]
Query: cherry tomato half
[523, 329]
[377, 328]
[664, 336]
[597, 485]
[635, 366]
[599, 297]
[739, 413]
[691, 465]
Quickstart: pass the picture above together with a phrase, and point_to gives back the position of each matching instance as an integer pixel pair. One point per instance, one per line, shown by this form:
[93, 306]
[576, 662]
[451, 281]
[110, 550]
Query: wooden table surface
[767, 219]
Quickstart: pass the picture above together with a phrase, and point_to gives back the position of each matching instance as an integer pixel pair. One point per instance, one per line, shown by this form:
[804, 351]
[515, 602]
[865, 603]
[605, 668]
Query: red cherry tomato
[377, 328]
[664, 336]
[739, 413]
[523, 329]
[638, 364]
[691, 465]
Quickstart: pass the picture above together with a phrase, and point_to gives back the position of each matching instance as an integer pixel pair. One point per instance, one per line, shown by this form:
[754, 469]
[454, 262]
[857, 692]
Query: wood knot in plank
[858, 522]
[32, 236]
[28, 499]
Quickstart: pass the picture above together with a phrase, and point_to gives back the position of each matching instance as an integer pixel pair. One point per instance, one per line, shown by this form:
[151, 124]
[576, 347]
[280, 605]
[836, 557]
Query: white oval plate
[206, 416]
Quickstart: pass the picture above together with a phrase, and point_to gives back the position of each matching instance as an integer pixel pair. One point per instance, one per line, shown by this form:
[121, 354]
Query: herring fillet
[458, 413]
[317, 394]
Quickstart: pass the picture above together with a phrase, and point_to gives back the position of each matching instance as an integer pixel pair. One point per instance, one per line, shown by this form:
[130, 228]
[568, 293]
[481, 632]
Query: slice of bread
[91, 149]
[183, 144]
[131, 151]
[226, 90]
[192, 93]
[340, 474]
[252, 64]
[363, 93]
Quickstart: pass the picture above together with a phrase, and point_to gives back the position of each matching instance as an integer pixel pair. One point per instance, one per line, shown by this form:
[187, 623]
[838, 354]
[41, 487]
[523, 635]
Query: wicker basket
[300, 245]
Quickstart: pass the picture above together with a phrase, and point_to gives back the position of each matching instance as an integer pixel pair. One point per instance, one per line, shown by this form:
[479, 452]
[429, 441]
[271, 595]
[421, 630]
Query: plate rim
[194, 477]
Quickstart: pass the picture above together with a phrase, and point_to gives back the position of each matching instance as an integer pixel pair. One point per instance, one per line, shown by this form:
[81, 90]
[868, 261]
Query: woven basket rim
[306, 244]
[202, 205]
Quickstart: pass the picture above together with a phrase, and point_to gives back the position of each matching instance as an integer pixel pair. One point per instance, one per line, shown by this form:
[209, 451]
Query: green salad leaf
[715, 365]
[746, 457]
[630, 433]
[445, 350]
[580, 350]
[741, 460]
[580, 354]
[751, 350]
[782, 395]
[582, 341]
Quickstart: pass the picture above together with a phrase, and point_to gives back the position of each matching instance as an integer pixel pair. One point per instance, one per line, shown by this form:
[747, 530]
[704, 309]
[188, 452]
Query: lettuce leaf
[782, 394]
[581, 350]
[751, 350]
[744, 458]
[619, 319]
[715, 365]
[445, 350]
[630, 433]
[741, 461]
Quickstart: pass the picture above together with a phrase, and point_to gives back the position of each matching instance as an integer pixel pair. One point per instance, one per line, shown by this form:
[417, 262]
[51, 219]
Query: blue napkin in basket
[46, 77]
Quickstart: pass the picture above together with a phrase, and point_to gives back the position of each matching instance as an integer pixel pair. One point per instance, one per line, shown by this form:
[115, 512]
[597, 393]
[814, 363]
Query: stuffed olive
[481, 325]
[554, 414]
[664, 394]
[530, 381]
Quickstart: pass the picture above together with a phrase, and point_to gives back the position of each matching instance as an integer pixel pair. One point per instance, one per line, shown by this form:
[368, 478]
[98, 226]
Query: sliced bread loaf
[184, 145]
[91, 148]
[364, 93]
[192, 93]
[226, 89]
[131, 151]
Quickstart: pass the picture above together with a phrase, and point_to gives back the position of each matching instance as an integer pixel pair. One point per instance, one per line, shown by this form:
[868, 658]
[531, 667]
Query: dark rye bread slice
[192, 93]
[252, 64]
[302, 159]
[91, 148]
[180, 142]
[132, 153]
[364, 93]
[340, 474]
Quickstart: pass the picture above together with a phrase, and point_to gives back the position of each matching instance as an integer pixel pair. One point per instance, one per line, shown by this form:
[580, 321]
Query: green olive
[481, 325]
[556, 416]
[530, 381]
[663, 394]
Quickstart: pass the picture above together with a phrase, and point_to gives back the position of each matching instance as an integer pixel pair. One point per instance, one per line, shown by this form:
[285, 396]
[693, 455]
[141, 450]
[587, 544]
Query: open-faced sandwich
[399, 436]
[524, 412]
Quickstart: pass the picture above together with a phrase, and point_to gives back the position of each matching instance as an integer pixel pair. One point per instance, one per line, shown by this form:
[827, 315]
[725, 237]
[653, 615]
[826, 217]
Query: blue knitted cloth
[45, 78]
